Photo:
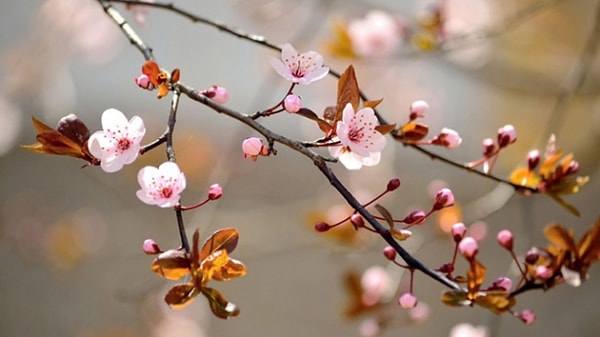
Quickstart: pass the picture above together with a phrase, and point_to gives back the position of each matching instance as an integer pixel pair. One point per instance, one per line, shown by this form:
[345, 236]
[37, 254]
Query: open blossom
[361, 143]
[299, 68]
[376, 35]
[119, 142]
[161, 186]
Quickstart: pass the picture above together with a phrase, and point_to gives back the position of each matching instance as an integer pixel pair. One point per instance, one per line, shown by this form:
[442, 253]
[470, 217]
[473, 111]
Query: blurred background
[70, 238]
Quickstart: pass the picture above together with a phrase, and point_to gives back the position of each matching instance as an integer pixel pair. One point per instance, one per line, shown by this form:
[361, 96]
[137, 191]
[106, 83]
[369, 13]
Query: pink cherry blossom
[376, 35]
[361, 143]
[119, 142]
[161, 186]
[468, 330]
[375, 282]
[299, 68]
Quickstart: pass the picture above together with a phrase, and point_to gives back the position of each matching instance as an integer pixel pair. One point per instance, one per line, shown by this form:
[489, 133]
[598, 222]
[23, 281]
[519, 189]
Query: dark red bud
[390, 253]
[393, 184]
[322, 227]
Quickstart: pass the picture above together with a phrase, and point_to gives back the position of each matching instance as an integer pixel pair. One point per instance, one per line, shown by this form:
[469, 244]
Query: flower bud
[215, 191]
[527, 316]
[443, 198]
[217, 93]
[415, 218]
[503, 283]
[446, 268]
[417, 109]
[143, 81]
[488, 147]
[468, 247]
[532, 256]
[447, 138]
[390, 253]
[573, 167]
[407, 300]
[393, 184]
[322, 226]
[506, 135]
[505, 239]
[533, 159]
[357, 220]
[543, 273]
[292, 103]
[150, 247]
[458, 231]
[252, 147]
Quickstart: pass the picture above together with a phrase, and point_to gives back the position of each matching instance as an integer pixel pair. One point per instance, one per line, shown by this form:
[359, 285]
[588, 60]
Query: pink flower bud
[506, 135]
[468, 247]
[505, 239]
[217, 93]
[527, 316]
[407, 300]
[573, 167]
[357, 220]
[393, 184]
[390, 253]
[322, 226]
[443, 198]
[447, 138]
[215, 191]
[533, 159]
[503, 283]
[252, 147]
[415, 217]
[458, 231]
[150, 247]
[417, 109]
[488, 147]
[543, 273]
[292, 103]
[143, 81]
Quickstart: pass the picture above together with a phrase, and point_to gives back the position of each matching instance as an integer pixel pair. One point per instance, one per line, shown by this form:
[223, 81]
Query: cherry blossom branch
[261, 40]
[272, 137]
[126, 28]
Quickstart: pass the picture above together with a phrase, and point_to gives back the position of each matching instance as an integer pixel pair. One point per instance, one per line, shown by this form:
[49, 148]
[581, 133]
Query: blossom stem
[194, 206]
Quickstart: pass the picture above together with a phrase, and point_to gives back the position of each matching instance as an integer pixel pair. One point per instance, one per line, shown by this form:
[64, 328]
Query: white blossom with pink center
[361, 143]
[161, 186]
[299, 68]
[118, 143]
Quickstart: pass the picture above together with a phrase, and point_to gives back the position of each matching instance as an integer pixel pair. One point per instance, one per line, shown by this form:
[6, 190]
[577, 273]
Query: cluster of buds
[505, 136]
[414, 132]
